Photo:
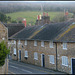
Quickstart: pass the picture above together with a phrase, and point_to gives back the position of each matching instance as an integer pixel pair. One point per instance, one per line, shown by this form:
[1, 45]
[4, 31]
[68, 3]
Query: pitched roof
[46, 32]
[68, 35]
[14, 28]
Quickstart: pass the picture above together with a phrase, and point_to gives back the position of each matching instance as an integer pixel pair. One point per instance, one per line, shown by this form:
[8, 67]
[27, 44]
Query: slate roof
[14, 28]
[68, 35]
[45, 32]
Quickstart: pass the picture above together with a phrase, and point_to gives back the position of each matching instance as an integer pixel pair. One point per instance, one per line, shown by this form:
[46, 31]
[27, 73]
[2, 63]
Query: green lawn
[31, 16]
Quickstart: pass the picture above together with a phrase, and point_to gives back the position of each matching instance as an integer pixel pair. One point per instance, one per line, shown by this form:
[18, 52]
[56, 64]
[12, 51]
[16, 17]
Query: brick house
[4, 36]
[49, 45]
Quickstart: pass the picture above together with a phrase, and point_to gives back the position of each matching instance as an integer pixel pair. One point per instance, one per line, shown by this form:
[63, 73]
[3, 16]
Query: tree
[3, 17]
[9, 18]
[3, 53]
[59, 18]
[20, 21]
[14, 21]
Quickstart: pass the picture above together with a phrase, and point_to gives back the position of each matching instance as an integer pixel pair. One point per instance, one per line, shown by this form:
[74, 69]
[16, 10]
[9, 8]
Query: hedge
[3, 53]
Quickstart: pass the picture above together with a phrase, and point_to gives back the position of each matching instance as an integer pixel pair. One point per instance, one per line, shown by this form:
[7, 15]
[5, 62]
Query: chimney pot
[38, 17]
[24, 21]
[43, 13]
[47, 13]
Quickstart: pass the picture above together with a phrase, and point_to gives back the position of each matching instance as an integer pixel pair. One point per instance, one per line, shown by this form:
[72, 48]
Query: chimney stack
[38, 17]
[47, 13]
[43, 13]
[66, 13]
[24, 21]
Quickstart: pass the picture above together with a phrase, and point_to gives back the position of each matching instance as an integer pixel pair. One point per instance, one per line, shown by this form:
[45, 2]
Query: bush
[14, 21]
[3, 53]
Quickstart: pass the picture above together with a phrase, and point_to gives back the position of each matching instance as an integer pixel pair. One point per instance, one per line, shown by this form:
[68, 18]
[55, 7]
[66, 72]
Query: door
[43, 60]
[73, 66]
[19, 55]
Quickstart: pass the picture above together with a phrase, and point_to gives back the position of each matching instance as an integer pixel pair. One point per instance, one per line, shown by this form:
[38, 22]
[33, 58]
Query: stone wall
[46, 50]
[70, 53]
[4, 36]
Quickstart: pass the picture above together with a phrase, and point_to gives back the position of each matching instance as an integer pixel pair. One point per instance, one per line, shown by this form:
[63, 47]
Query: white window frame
[25, 42]
[14, 51]
[35, 43]
[65, 46]
[35, 56]
[64, 60]
[19, 42]
[9, 42]
[51, 59]
[51, 44]
[26, 54]
[42, 43]
[14, 42]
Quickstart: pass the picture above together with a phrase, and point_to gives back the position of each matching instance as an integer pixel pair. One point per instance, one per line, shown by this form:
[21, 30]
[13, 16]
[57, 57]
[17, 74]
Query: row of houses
[49, 45]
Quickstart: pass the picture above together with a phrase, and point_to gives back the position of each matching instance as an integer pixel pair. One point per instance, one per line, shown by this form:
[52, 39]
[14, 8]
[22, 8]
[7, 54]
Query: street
[16, 67]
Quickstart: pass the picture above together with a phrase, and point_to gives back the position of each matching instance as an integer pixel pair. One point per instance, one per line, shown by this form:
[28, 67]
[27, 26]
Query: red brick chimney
[24, 21]
[43, 13]
[38, 17]
[66, 13]
[47, 13]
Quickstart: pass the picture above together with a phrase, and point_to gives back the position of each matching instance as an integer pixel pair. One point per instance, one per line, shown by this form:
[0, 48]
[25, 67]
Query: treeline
[9, 7]
[5, 19]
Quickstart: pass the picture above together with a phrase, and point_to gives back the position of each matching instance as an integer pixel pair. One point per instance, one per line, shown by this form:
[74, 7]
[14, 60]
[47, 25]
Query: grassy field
[31, 16]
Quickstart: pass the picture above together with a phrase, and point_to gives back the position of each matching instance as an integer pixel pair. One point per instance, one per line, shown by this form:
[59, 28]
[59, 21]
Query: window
[15, 51]
[35, 56]
[65, 46]
[42, 43]
[9, 42]
[51, 57]
[14, 42]
[35, 43]
[3, 38]
[26, 54]
[65, 60]
[51, 44]
[25, 42]
[19, 42]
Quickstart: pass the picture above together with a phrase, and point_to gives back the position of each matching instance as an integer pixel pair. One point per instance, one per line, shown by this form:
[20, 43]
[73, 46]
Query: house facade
[4, 36]
[50, 46]
[13, 28]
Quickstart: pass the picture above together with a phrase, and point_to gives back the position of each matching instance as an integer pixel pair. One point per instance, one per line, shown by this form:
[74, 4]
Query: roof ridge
[37, 31]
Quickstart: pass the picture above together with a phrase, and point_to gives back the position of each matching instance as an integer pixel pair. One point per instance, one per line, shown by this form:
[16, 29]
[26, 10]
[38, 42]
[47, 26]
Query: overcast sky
[39, 1]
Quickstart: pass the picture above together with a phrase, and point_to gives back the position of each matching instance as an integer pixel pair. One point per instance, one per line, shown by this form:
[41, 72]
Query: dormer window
[51, 44]
[25, 42]
[35, 43]
[65, 46]
[42, 43]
